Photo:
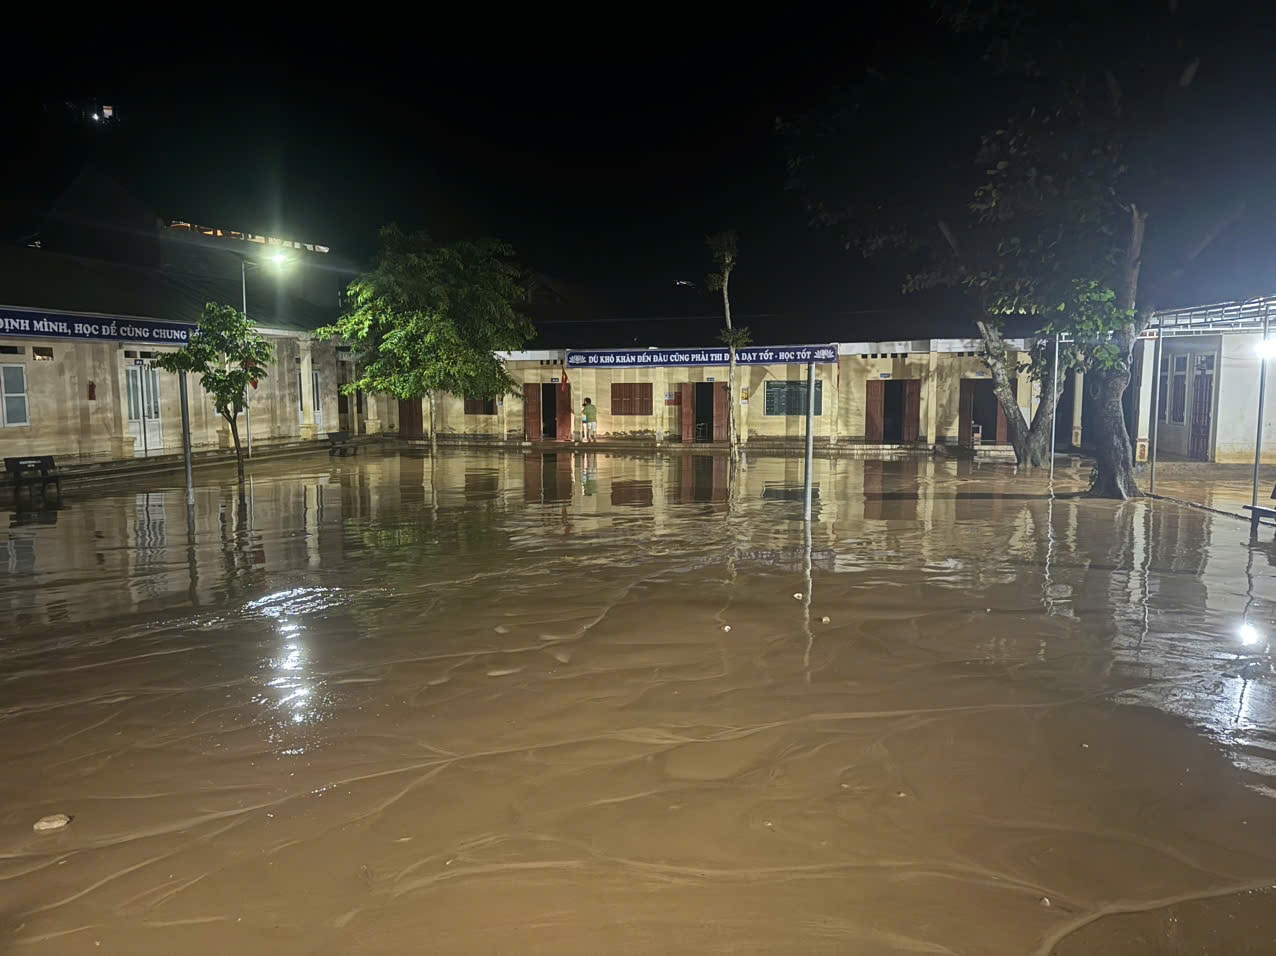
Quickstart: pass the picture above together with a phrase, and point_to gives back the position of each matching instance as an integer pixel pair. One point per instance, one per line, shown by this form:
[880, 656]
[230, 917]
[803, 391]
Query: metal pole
[810, 439]
[142, 394]
[1156, 412]
[248, 412]
[1054, 409]
[186, 437]
[1262, 400]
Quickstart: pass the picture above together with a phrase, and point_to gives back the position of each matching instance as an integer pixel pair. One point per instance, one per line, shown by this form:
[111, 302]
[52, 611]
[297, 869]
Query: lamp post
[278, 259]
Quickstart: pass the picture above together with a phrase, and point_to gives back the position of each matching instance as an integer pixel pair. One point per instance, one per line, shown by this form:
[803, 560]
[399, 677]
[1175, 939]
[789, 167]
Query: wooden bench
[341, 444]
[31, 471]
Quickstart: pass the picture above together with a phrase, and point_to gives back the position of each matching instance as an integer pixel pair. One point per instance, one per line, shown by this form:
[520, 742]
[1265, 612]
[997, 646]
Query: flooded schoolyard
[586, 704]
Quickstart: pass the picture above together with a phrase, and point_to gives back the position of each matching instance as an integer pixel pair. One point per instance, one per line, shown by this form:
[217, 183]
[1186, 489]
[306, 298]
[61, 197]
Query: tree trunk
[996, 360]
[1041, 434]
[239, 452]
[434, 438]
[732, 441]
[1113, 459]
[1114, 463]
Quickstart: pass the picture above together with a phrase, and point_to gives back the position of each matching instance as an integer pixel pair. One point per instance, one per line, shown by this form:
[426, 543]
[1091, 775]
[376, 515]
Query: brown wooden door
[721, 408]
[1202, 415]
[688, 390]
[1003, 427]
[532, 413]
[912, 409]
[965, 410]
[410, 421]
[875, 411]
[563, 410]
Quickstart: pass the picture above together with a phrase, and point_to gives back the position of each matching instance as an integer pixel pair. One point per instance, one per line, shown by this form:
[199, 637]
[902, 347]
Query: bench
[32, 471]
[341, 444]
[1258, 512]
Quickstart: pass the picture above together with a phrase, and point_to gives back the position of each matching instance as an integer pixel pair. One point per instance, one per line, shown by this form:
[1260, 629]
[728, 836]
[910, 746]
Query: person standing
[589, 421]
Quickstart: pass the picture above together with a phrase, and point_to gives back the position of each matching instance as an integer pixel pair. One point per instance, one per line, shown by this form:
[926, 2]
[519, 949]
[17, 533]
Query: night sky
[603, 150]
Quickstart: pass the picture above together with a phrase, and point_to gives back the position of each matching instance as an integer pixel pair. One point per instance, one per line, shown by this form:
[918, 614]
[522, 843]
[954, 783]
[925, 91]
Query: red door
[410, 422]
[912, 409]
[563, 396]
[688, 390]
[874, 411]
[721, 408]
[532, 411]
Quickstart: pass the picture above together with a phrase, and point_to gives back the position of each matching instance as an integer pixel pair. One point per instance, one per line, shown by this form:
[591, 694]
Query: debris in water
[797, 595]
[562, 657]
[503, 671]
[825, 619]
[1045, 901]
[54, 821]
[501, 629]
[726, 627]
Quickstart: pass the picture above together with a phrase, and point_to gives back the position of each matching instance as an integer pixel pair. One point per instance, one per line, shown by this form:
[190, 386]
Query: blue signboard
[670, 358]
[22, 323]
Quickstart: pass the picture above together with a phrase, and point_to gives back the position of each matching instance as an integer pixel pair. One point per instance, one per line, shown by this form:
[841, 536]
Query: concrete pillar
[932, 395]
[374, 423]
[308, 430]
[1078, 400]
[1147, 375]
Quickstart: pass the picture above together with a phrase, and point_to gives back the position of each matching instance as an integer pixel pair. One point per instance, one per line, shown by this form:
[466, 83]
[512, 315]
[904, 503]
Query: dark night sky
[605, 164]
[604, 149]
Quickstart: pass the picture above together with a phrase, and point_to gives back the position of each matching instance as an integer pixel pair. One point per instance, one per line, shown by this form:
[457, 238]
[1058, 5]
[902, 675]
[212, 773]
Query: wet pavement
[598, 704]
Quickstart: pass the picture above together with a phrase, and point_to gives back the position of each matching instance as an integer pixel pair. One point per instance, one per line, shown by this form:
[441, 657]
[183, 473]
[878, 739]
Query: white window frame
[5, 395]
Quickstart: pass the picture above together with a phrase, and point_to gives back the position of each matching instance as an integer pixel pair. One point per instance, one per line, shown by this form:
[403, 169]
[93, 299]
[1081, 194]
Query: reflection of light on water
[298, 700]
[1249, 634]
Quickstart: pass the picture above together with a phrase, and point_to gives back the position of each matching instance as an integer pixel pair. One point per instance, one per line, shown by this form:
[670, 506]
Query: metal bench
[1258, 512]
[33, 471]
[341, 444]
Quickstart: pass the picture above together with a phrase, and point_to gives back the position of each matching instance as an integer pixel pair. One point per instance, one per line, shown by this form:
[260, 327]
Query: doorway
[547, 411]
[893, 411]
[1202, 407]
[411, 420]
[703, 412]
[142, 381]
[981, 414]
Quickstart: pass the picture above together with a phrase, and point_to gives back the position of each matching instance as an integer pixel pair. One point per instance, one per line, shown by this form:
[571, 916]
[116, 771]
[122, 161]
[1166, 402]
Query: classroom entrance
[704, 411]
[893, 411]
[981, 419]
[547, 411]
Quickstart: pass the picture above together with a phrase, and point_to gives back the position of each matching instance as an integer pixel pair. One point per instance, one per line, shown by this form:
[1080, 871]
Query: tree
[430, 318]
[724, 247]
[229, 355]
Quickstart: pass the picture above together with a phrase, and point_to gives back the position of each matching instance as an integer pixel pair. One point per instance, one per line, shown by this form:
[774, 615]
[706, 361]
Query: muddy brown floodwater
[497, 709]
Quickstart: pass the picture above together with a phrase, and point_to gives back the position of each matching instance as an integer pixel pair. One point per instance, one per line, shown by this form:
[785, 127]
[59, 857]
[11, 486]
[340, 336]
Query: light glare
[1249, 634]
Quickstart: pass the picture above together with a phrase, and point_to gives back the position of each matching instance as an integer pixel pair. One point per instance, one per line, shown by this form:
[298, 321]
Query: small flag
[562, 385]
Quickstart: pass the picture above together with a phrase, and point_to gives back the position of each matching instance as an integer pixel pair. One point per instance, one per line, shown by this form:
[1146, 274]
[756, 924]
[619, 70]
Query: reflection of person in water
[589, 475]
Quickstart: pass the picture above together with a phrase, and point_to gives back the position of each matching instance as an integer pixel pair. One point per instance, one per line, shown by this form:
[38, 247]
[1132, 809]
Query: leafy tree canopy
[430, 317]
[227, 353]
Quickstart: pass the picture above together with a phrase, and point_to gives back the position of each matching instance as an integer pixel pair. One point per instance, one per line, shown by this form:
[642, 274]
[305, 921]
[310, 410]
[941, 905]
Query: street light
[279, 259]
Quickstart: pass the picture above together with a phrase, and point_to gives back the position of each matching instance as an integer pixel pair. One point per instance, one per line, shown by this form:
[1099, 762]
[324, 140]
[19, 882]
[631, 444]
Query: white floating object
[563, 657]
[54, 821]
[726, 627]
[825, 619]
[501, 629]
[503, 671]
[797, 595]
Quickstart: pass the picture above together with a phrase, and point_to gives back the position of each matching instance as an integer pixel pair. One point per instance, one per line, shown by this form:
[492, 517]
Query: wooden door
[1003, 427]
[965, 410]
[410, 421]
[875, 411]
[721, 409]
[1202, 414]
[563, 411]
[688, 390]
[532, 413]
[912, 409]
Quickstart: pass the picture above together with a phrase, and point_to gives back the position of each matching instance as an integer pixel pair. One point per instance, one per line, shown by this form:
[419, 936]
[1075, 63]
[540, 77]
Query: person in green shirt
[589, 417]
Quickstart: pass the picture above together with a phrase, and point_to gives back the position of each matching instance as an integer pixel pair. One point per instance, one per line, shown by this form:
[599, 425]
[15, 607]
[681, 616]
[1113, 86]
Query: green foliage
[735, 338]
[430, 318]
[724, 247]
[227, 353]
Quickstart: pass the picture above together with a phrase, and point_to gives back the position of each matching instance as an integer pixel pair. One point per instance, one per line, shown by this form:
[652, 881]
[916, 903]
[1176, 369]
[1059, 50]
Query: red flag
[562, 385]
